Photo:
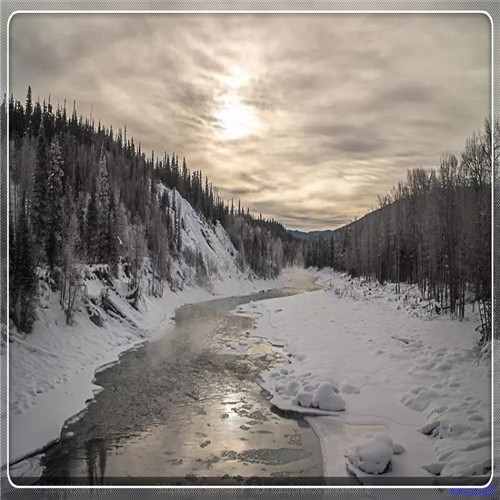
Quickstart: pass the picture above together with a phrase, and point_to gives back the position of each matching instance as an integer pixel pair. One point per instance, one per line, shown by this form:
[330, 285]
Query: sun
[235, 119]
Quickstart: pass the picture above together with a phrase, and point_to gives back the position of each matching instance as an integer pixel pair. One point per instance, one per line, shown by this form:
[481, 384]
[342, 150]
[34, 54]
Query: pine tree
[92, 229]
[70, 279]
[39, 211]
[36, 120]
[137, 250]
[55, 197]
[104, 216]
[28, 110]
[332, 252]
[112, 240]
[22, 273]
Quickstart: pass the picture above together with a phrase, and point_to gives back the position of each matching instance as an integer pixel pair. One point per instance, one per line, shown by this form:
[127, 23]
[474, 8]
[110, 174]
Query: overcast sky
[306, 118]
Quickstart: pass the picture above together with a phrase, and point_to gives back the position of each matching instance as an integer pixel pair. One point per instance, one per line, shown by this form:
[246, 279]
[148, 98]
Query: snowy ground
[399, 369]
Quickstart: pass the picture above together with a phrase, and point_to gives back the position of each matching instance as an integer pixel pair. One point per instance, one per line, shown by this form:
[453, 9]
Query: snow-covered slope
[212, 242]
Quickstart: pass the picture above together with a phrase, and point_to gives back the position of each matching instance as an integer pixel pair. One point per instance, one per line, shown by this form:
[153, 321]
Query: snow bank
[401, 367]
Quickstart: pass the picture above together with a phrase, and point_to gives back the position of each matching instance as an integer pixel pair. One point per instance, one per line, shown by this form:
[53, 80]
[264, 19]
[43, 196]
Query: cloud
[345, 104]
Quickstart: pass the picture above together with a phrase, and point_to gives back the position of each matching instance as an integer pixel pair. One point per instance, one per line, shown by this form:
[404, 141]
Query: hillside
[53, 366]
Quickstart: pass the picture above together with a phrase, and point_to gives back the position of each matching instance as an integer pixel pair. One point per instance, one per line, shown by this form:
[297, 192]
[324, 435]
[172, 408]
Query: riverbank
[399, 368]
[52, 370]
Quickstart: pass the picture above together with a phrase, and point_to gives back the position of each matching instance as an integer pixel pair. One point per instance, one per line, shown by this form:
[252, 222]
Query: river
[186, 409]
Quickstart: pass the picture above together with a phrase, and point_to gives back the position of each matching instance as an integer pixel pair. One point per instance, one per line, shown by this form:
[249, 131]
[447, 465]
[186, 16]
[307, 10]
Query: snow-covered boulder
[327, 397]
[324, 396]
[374, 456]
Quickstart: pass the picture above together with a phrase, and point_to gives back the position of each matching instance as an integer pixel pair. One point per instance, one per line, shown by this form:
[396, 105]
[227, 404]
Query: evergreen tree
[105, 218]
[55, 197]
[36, 120]
[92, 229]
[28, 110]
[22, 273]
[70, 279]
[39, 212]
[111, 241]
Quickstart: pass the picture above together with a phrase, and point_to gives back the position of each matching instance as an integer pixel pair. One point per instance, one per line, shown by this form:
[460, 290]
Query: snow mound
[373, 456]
[325, 397]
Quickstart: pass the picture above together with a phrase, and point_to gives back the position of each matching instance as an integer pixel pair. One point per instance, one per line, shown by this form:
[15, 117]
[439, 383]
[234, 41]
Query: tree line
[433, 229]
[319, 252]
[85, 194]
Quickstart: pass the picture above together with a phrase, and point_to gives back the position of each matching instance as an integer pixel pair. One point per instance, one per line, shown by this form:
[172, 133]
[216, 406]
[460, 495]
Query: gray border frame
[7, 7]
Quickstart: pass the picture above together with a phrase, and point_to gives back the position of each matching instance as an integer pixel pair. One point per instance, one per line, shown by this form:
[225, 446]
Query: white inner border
[268, 12]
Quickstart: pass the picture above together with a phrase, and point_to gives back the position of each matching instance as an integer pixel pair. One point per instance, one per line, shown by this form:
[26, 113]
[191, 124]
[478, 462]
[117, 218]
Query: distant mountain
[310, 235]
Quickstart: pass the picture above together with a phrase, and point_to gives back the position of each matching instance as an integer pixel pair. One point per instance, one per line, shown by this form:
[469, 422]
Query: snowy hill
[211, 242]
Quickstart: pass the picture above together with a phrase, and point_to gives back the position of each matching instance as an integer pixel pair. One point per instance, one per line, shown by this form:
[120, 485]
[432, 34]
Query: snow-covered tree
[136, 254]
[39, 204]
[55, 198]
[23, 281]
[70, 276]
[92, 229]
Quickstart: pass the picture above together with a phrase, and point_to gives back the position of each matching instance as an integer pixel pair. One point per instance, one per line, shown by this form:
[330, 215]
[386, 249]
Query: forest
[81, 193]
[433, 229]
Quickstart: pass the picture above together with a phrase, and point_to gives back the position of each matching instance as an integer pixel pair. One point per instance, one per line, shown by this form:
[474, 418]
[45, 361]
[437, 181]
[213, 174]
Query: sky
[306, 118]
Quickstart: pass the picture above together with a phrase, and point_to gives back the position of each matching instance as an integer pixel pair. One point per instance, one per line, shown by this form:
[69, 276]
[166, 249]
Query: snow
[404, 370]
[373, 456]
[214, 245]
[325, 397]
[52, 369]
[363, 361]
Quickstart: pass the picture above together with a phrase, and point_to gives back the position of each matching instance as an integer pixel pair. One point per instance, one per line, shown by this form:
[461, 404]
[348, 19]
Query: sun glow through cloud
[340, 105]
[235, 120]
